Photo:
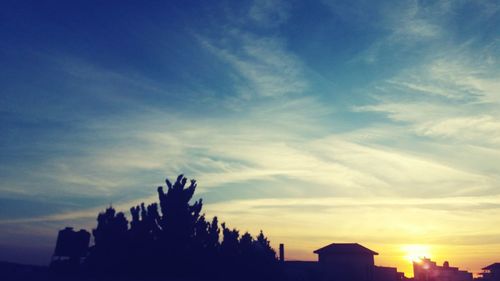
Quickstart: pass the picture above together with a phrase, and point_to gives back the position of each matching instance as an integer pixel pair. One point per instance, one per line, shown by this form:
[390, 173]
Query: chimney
[282, 252]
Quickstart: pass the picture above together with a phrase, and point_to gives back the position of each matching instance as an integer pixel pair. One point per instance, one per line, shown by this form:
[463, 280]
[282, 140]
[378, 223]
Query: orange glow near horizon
[471, 257]
[396, 236]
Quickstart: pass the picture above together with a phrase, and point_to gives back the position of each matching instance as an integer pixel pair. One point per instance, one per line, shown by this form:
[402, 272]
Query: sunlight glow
[415, 253]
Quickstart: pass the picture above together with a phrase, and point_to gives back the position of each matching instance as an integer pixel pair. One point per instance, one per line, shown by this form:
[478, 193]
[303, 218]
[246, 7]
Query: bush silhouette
[175, 242]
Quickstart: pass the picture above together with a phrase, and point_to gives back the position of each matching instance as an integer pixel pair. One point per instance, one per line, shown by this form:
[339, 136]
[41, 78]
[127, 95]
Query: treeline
[174, 241]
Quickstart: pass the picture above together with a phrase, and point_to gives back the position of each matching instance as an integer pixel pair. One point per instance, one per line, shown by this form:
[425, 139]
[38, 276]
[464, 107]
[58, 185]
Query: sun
[416, 252]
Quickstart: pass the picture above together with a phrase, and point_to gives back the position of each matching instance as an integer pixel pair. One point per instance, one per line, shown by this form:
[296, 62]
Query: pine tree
[175, 242]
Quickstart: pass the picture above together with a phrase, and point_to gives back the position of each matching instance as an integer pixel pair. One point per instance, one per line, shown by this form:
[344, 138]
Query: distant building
[383, 273]
[491, 272]
[72, 244]
[347, 261]
[342, 262]
[71, 247]
[302, 271]
[427, 270]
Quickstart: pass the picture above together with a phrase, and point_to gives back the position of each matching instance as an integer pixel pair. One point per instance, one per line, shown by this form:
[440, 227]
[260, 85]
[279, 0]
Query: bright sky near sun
[374, 122]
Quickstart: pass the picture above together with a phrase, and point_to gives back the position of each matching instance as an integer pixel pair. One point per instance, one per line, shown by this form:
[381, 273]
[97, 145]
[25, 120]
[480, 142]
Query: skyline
[316, 122]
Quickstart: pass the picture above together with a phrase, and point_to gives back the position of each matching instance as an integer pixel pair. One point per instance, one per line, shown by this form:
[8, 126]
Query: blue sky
[353, 118]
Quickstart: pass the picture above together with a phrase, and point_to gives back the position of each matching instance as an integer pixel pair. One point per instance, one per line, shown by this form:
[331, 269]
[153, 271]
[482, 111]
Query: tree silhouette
[110, 238]
[175, 242]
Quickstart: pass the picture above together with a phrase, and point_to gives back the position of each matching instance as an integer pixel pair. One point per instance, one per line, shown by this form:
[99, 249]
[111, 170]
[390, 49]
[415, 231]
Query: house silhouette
[491, 272]
[342, 262]
[347, 261]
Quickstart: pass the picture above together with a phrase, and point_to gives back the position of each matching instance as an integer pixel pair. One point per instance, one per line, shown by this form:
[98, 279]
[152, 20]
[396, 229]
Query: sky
[374, 122]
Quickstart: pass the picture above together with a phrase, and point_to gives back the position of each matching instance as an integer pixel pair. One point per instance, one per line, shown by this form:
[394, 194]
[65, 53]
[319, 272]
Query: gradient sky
[318, 122]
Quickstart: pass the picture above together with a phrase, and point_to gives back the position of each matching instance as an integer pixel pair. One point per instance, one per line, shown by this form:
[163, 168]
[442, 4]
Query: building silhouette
[427, 270]
[347, 261]
[342, 262]
[71, 247]
[491, 272]
[72, 244]
[383, 273]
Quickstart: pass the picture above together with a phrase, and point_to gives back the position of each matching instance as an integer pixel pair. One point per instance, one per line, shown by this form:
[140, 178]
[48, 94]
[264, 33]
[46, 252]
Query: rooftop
[345, 248]
[492, 266]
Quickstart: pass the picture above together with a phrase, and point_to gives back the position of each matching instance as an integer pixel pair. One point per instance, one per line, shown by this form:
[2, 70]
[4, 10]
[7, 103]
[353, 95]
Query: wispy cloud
[453, 97]
[413, 21]
[269, 13]
[265, 66]
[416, 28]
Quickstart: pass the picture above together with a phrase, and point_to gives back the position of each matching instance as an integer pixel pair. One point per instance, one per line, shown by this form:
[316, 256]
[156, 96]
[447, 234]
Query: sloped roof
[492, 266]
[345, 248]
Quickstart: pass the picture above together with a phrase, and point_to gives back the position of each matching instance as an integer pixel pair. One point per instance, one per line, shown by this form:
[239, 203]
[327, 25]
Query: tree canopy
[175, 242]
